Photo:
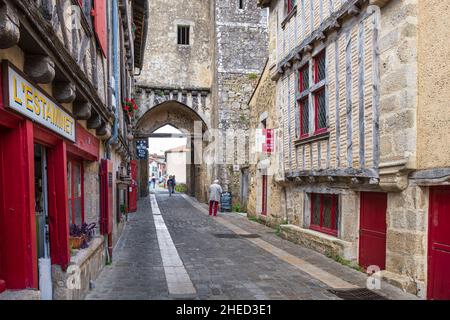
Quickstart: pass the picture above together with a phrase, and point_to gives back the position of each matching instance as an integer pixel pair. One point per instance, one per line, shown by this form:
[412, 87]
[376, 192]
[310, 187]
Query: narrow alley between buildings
[227, 257]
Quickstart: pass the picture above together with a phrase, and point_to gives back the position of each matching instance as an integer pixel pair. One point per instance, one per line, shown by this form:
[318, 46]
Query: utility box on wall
[106, 186]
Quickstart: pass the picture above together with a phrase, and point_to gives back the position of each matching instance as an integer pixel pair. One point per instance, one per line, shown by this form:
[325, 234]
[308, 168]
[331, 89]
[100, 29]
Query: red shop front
[36, 143]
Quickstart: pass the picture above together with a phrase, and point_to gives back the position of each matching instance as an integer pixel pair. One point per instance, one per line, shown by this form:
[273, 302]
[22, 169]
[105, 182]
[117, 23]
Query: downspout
[114, 97]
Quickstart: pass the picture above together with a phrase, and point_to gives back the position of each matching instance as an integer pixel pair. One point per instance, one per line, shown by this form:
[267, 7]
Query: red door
[264, 195]
[132, 194]
[372, 234]
[439, 244]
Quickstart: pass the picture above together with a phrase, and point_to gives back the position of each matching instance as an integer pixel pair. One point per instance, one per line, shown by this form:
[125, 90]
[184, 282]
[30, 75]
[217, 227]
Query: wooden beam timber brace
[41, 69]
[9, 26]
[64, 92]
[82, 110]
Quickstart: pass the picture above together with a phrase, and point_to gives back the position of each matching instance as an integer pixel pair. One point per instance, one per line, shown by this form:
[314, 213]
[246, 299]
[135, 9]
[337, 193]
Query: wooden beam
[361, 86]
[348, 90]
[376, 88]
[337, 111]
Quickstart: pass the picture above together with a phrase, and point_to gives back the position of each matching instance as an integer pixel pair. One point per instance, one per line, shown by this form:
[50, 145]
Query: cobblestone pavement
[219, 268]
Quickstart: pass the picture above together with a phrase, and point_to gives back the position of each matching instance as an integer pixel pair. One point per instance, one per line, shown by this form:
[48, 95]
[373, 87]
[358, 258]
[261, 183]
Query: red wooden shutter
[58, 209]
[100, 26]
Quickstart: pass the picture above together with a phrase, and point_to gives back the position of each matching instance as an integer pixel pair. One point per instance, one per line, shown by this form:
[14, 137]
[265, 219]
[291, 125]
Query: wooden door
[132, 193]
[264, 196]
[439, 244]
[372, 234]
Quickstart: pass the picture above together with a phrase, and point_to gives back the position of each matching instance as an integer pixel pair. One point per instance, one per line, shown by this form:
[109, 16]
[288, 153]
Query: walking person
[170, 185]
[153, 183]
[215, 191]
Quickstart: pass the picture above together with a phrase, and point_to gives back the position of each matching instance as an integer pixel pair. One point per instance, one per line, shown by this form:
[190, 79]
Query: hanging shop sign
[269, 144]
[141, 149]
[29, 100]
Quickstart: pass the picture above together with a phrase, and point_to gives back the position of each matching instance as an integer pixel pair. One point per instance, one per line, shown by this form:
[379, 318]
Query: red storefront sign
[269, 145]
[18, 136]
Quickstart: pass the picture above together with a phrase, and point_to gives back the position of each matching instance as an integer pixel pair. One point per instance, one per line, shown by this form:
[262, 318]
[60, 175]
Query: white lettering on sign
[38, 106]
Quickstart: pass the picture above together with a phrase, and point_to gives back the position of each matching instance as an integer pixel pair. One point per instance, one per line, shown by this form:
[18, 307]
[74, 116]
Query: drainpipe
[114, 95]
[115, 86]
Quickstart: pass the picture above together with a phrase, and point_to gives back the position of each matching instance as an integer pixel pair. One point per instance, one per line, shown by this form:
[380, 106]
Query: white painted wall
[176, 165]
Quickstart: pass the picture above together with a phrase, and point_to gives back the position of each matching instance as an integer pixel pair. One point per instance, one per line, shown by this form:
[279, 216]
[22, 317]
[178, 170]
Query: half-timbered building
[66, 69]
[364, 134]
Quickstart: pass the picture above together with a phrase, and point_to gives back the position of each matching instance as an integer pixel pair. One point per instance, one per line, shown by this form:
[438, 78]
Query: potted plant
[81, 236]
[130, 107]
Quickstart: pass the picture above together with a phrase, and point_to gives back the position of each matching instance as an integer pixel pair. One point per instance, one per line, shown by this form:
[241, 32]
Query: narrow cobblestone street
[219, 265]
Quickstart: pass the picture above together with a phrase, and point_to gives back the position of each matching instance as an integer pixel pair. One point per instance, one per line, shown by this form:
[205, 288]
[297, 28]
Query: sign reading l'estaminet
[33, 103]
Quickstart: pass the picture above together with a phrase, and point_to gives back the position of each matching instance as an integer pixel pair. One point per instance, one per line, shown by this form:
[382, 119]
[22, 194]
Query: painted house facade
[66, 68]
[364, 134]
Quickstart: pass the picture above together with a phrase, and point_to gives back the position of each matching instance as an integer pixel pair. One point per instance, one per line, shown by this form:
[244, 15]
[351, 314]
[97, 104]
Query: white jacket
[215, 191]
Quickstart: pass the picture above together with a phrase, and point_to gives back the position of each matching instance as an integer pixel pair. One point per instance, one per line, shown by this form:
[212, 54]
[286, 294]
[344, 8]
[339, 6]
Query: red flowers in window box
[130, 107]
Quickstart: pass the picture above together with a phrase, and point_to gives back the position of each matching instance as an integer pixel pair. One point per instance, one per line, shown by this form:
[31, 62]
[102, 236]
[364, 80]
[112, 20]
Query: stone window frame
[186, 23]
[315, 87]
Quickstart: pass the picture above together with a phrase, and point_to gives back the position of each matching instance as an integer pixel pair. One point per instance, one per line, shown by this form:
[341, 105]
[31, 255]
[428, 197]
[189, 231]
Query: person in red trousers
[215, 190]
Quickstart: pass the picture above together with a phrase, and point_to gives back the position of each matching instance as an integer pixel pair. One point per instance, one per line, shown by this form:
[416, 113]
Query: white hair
[216, 181]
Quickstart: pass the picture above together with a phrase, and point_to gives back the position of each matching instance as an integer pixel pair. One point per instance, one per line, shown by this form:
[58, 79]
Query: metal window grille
[183, 35]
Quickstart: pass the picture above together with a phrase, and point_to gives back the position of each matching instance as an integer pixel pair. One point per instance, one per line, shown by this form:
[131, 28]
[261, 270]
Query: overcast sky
[160, 145]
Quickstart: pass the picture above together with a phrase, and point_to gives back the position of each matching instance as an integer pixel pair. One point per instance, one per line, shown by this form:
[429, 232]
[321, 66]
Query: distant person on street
[215, 191]
[153, 182]
[171, 185]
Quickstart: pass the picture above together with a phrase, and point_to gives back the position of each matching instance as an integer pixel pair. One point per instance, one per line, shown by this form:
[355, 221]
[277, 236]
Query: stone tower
[204, 58]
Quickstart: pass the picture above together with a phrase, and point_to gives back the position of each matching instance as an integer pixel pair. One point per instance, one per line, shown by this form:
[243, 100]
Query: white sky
[160, 145]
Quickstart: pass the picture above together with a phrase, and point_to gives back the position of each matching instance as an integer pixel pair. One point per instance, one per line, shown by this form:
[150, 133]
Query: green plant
[344, 262]
[181, 188]
[123, 208]
[237, 207]
[253, 76]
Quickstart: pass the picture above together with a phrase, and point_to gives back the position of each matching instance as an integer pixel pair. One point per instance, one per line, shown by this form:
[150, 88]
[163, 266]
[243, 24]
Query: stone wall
[240, 54]
[407, 238]
[87, 263]
[433, 149]
[398, 105]
[262, 106]
[168, 64]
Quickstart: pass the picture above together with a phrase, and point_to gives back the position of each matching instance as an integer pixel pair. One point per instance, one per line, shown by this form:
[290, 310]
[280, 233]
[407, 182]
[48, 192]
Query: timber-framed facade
[350, 179]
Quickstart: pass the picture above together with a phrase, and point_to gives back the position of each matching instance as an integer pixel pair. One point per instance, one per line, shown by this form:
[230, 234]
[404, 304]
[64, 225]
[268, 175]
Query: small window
[241, 4]
[320, 111]
[290, 5]
[304, 79]
[325, 213]
[75, 187]
[319, 68]
[183, 35]
[304, 118]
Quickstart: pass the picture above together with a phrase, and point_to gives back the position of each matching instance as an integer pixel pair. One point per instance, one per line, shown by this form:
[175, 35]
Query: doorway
[264, 196]
[244, 188]
[42, 221]
[372, 238]
[439, 244]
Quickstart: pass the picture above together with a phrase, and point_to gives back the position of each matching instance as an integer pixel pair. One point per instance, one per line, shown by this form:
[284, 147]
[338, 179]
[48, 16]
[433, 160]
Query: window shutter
[100, 26]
